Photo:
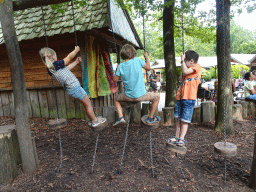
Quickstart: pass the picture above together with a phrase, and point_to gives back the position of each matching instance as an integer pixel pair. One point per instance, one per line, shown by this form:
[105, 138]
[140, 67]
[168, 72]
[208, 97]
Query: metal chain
[61, 156]
[223, 86]
[179, 162]
[74, 22]
[95, 150]
[125, 140]
[45, 32]
[151, 155]
[143, 21]
[182, 26]
[54, 92]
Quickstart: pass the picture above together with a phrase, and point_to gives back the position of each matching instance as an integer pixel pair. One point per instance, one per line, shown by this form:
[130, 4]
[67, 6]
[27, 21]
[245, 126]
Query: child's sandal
[180, 142]
[172, 140]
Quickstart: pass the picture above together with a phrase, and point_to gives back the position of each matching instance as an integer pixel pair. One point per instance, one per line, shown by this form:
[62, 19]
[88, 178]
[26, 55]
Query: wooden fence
[41, 103]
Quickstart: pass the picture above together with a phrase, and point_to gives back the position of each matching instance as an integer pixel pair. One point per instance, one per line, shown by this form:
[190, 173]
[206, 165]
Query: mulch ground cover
[199, 170]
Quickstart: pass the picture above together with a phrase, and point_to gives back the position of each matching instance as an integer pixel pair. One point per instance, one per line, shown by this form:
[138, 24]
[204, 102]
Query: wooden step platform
[151, 126]
[176, 149]
[57, 123]
[227, 149]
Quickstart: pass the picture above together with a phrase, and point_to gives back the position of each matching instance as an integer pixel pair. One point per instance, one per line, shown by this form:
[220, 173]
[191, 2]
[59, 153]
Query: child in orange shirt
[186, 96]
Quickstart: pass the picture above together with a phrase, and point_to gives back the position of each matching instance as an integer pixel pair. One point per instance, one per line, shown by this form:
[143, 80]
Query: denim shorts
[77, 92]
[186, 108]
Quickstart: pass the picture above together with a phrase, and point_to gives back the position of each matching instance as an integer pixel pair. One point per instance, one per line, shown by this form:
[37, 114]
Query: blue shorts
[186, 108]
[77, 92]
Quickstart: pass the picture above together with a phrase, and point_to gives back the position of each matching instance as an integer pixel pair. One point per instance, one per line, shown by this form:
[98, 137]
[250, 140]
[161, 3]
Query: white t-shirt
[249, 85]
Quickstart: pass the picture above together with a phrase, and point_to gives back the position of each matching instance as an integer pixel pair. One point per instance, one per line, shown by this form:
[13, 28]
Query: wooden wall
[42, 104]
[38, 83]
[35, 72]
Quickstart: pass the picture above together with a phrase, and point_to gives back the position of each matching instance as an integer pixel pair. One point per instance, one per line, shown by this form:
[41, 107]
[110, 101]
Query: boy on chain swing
[186, 96]
[134, 87]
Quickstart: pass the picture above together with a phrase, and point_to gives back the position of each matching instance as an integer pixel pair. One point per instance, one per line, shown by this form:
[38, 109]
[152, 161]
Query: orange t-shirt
[189, 89]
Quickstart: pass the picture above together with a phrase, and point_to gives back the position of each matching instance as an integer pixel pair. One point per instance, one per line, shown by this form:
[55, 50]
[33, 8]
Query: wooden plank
[29, 104]
[83, 115]
[1, 108]
[11, 101]
[34, 103]
[61, 103]
[51, 103]
[70, 106]
[5, 104]
[78, 109]
[42, 96]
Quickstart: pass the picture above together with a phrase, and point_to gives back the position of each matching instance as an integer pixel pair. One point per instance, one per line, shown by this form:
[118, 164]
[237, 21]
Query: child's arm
[71, 55]
[147, 63]
[72, 65]
[184, 68]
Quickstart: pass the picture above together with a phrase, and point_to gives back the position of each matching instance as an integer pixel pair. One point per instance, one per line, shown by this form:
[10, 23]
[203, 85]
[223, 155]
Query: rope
[95, 150]
[125, 140]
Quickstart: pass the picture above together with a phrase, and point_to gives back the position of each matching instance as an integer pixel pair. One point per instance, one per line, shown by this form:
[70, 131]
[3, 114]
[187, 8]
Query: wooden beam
[26, 4]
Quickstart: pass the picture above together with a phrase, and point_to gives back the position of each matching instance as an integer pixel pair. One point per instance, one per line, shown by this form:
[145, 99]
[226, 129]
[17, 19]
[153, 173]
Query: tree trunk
[169, 55]
[253, 167]
[19, 88]
[224, 105]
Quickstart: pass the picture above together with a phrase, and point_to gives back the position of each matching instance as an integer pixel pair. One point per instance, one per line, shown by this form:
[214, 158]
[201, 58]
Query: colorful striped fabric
[98, 70]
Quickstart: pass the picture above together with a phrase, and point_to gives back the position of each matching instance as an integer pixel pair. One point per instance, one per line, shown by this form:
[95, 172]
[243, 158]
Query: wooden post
[19, 88]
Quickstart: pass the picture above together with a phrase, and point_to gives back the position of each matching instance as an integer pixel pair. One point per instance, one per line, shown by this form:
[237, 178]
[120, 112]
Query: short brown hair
[128, 52]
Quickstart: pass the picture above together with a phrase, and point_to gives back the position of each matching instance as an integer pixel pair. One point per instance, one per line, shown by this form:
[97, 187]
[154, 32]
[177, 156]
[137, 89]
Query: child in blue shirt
[134, 87]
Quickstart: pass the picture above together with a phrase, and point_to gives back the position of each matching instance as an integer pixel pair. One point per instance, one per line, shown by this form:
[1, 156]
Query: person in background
[250, 86]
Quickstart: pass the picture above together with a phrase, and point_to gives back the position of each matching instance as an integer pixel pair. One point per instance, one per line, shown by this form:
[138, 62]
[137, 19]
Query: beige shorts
[149, 96]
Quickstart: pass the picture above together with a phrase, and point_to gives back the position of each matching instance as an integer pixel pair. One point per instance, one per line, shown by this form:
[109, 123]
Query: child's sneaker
[181, 142]
[99, 121]
[120, 121]
[153, 120]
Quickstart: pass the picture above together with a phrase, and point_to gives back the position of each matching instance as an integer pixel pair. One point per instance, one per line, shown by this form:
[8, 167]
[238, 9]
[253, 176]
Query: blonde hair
[45, 53]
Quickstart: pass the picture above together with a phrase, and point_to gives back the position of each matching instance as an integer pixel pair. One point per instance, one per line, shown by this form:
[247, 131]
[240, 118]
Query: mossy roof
[29, 23]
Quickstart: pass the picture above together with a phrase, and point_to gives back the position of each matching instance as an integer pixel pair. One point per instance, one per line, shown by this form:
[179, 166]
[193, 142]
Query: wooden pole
[19, 88]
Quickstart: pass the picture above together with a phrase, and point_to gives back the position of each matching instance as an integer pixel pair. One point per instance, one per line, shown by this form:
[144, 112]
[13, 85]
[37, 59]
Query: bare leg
[178, 126]
[154, 107]
[88, 108]
[119, 109]
[184, 129]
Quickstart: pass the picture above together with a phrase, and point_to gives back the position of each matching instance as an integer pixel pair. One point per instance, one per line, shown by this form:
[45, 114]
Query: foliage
[178, 71]
[212, 73]
[236, 69]
[208, 74]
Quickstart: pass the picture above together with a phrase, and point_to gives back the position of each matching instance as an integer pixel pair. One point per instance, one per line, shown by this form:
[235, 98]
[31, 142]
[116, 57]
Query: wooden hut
[104, 20]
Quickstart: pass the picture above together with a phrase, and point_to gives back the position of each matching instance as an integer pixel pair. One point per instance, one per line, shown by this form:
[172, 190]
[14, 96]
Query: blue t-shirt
[131, 73]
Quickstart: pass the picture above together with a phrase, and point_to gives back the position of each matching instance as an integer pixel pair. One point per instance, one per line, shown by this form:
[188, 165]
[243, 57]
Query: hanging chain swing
[224, 148]
[57, 123]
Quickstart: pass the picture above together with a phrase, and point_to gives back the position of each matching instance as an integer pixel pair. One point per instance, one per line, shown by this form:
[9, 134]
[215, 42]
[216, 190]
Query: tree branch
[25, 4]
